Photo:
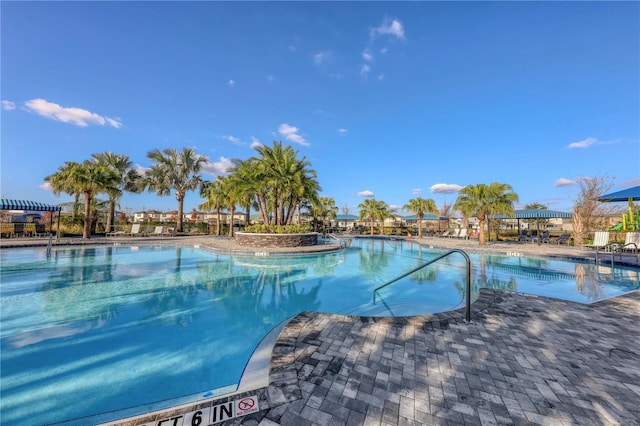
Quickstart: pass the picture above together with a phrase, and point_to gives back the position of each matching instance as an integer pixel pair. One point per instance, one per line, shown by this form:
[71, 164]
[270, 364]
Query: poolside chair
[523, 235]
[456, 233]
[544, 238]
[158, 231]
[631, 243]
[135, 230]
[533, 237]
[600, 240]
[563, 239]
[445, 234]
[463, 233]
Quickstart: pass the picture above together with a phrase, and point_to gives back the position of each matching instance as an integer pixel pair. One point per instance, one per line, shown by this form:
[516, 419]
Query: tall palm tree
[325, 208]
[215, 201]
[175, 171]
[92, 178]
[419, 206]
[483, 200]
[129, 180]
[232, 195]
[246, 180]
[62, 181]
[373, 210]
[282, 181]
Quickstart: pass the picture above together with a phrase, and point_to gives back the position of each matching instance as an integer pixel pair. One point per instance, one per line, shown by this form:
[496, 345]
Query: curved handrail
[342, 243]
[467, 310]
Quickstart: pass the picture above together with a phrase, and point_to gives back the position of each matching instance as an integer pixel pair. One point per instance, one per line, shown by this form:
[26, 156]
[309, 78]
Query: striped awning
[534, 214]
[27, 205]
[427, 216]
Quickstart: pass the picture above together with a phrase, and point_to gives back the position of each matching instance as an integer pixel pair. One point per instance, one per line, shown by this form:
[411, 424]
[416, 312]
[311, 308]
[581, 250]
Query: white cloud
[232, 139]
[217, 168]
[46, 186]
[393, 28]
[591, 141]
[367, 56]
[290, 133]
[381, 77]
[342, 132]
[364, 70]
[564, 182]
[416, 191]
[583, 144]
[255, 143]
[292, 48]
[8, 105]
[445, 188]
[77, 116]
[270, 78]
[321, 58]
[366, 193]
[231, 83]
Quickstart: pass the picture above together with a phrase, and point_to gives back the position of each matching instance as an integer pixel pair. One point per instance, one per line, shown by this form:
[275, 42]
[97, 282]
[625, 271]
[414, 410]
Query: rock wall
[277, 240]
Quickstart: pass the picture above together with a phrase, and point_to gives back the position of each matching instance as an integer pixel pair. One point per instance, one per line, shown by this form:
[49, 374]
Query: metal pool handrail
[467, 310]
[342, 244]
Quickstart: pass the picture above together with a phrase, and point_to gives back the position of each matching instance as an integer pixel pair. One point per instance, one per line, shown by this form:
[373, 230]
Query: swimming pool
[99, 330]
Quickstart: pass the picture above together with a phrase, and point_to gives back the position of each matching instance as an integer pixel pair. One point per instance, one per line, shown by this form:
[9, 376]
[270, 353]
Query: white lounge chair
[456, 233]
[158, 230]
[445, 234]
[463, 234]
[135, 230]
[631, 242]
[600, 240]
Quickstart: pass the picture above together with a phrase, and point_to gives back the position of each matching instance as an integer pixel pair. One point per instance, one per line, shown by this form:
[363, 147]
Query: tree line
[276, 182]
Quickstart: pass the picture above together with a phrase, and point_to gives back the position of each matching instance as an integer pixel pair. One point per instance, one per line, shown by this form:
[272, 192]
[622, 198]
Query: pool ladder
[467, 308]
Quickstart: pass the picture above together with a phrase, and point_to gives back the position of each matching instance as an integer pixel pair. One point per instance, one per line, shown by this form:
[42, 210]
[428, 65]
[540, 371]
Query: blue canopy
[534, 214]
[27, 205]
[427, 216]
[632, 193]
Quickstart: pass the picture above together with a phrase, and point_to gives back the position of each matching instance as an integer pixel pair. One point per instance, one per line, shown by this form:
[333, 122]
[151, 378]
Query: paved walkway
[523, 360]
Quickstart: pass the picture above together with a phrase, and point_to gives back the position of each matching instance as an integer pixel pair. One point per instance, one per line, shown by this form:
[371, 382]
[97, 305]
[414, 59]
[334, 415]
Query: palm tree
[130, 180]
[215, 201]
[246, 180]
[232, 196]
[92, 178]
[419, 206]
[325, 208]
[281, 182]
[373, 210]
[177, 171]
[61, 181]
[483, 200]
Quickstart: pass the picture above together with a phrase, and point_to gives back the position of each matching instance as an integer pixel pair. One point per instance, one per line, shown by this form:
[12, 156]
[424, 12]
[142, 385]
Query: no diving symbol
[246, 404]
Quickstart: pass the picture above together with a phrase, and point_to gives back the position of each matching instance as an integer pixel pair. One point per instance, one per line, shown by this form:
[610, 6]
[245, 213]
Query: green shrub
[260, 228]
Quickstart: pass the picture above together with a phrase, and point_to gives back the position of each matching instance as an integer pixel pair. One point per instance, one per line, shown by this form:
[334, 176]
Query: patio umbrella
[630, 194]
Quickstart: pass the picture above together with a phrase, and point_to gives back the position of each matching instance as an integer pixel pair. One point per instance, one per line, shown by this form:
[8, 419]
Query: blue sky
[387, 99]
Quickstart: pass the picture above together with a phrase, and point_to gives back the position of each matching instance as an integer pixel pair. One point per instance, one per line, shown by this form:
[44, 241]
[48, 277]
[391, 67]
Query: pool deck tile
[522, 360]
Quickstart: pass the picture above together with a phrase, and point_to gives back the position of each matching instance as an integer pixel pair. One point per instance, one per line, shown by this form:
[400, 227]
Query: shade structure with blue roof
[630, 194]
[535, 214]
[33, 206]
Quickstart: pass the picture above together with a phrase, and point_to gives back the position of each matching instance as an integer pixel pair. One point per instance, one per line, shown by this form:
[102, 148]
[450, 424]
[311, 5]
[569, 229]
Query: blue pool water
[98, 330]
